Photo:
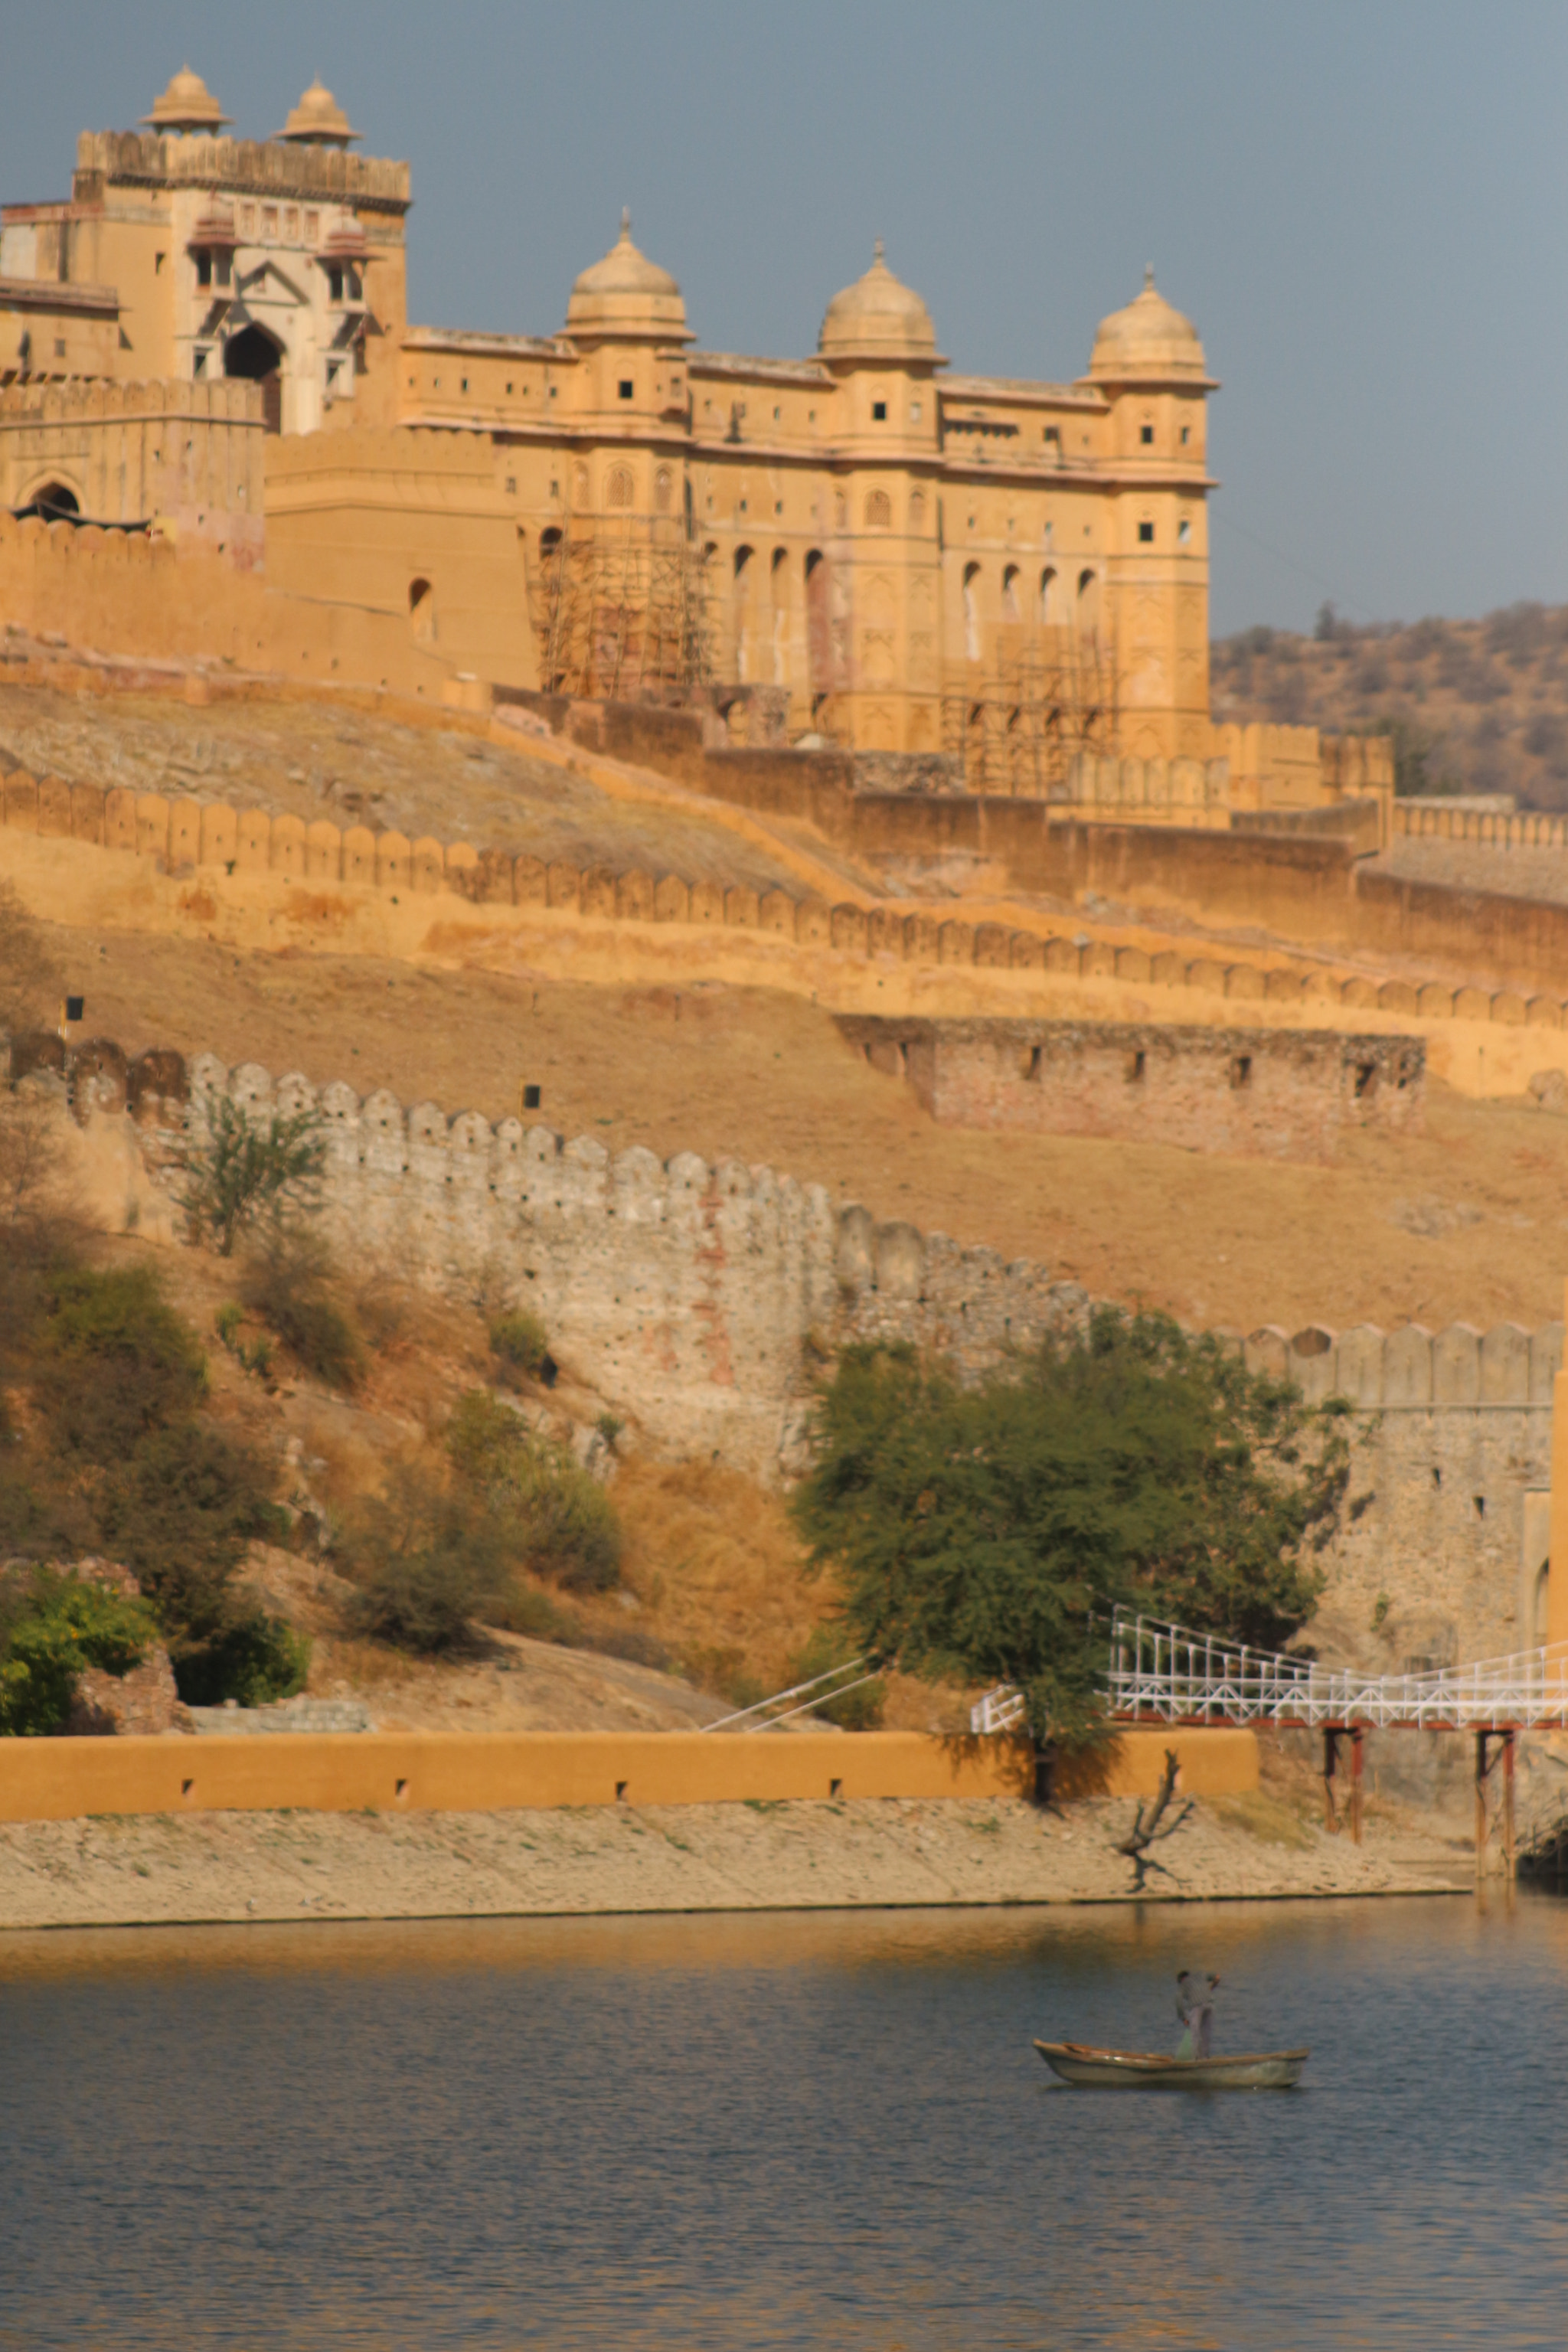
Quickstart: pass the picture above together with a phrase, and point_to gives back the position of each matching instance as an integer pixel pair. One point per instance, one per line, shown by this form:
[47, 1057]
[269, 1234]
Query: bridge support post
[1331, 1766]
[1507, 1742]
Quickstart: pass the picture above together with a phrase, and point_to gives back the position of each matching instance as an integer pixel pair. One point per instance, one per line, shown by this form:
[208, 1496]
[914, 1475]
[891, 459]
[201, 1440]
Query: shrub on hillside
[118, 1458]
[112, 1360]
[52, 1629]
[181, 1514]
[427, 1563]
[549, 1514]
[519, 1343]
[249, 1656]
[286, 1285]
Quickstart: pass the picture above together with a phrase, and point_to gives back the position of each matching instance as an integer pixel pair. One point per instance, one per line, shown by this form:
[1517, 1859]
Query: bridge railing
[1160, 1673]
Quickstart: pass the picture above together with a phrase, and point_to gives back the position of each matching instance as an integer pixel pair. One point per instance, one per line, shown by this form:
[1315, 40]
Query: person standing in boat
[1194, 2007]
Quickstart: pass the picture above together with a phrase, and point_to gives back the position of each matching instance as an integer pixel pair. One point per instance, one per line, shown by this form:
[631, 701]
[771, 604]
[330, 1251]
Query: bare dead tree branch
[1156, 1829]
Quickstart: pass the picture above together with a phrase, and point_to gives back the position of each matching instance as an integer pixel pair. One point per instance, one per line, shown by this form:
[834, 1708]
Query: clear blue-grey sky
[1361, 205]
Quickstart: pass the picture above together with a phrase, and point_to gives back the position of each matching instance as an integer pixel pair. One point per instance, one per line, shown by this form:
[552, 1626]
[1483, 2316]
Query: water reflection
[781, 2131]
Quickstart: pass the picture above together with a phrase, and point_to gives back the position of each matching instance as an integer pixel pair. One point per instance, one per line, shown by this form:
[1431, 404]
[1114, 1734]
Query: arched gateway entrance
[257, 357]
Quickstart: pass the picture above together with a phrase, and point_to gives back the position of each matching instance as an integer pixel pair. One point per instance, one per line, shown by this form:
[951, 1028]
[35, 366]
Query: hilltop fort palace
[1005, 582]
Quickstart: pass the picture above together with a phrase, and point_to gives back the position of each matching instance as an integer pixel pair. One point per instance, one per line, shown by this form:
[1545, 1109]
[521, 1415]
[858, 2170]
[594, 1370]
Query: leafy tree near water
[987, 1533]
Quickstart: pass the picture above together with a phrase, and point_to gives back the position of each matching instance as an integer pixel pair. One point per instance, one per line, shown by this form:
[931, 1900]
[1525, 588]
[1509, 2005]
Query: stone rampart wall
[700, 1298]
[181, 835]
[1486, 828]
[1282, 1094]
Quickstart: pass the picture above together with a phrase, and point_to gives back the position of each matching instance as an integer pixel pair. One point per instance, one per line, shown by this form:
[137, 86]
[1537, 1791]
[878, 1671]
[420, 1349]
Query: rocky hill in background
[1473, 706]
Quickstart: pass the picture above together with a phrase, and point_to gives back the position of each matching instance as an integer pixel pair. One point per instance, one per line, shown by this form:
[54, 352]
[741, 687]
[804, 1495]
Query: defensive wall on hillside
[700, 1299]
[1280, 1094]
[183, 836]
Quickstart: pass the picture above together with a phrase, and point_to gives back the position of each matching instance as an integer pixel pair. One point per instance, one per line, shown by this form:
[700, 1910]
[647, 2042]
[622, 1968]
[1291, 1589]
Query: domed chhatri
[627, 294]
[878, 318]
[186, 105]
[1148, 339]
[318, 120]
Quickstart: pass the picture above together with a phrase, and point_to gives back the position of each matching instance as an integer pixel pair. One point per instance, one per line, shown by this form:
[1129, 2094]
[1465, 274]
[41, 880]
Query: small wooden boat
[1129, 2070]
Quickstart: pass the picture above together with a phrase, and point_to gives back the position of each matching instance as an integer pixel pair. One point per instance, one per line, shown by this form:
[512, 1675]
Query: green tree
[987, 1532]
[249, 1171]
[52, 1628]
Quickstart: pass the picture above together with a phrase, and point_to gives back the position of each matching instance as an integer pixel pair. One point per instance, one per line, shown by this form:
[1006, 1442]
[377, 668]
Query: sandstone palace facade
[208, 343]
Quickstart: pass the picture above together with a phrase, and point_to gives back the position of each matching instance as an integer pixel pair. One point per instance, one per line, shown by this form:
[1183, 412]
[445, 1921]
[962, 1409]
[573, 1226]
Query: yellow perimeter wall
[61, 1780]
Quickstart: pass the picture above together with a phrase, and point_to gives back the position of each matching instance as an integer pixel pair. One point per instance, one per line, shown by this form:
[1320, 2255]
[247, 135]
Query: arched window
[742, 611]
[818, 625]
[1010, 594]
[1089, 602]
[421, 610]
[917, 511]
[663, 491]
[580, 486]
[878, 510]
[972, 612]
[618, 488]
[1050, 598]
[778, 582]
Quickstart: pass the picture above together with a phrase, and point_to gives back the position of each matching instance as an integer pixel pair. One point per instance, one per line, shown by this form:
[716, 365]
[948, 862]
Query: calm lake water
[777, 2131]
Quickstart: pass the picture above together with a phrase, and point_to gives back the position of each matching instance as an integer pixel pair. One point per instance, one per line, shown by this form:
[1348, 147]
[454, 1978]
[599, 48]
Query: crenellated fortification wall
[700, 1298]
[183, 836]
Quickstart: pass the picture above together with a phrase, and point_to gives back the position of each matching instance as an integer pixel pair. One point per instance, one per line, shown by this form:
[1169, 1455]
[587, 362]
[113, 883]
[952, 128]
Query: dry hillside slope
[1474, 705]
[1465, 1222]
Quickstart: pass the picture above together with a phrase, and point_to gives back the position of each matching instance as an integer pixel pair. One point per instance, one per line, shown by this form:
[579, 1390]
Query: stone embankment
[743, 1857]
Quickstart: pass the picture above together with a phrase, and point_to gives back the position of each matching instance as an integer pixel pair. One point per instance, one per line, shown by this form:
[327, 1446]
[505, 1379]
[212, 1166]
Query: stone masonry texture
[700, 1299]
[1271, 1093]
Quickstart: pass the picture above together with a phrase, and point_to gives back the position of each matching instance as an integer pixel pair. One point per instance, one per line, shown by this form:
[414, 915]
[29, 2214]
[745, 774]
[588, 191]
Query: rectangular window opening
[1136, 1067]
[1145, 535]
[835, 1788]
[624, 388]
[1147, 436]
[1241, 1070]
[880, 411]
[621, 1792]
